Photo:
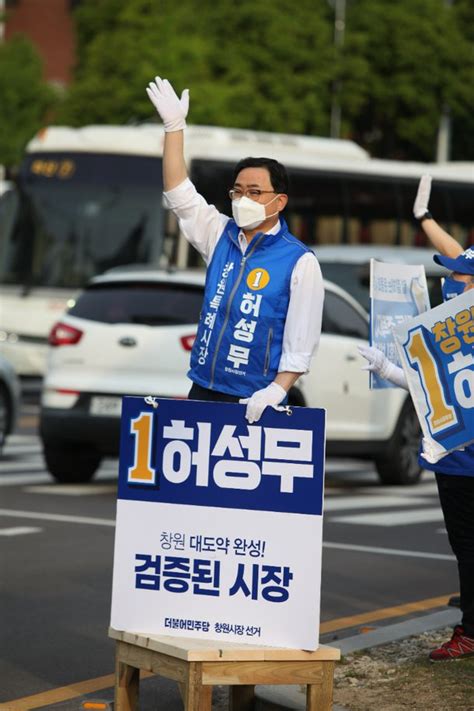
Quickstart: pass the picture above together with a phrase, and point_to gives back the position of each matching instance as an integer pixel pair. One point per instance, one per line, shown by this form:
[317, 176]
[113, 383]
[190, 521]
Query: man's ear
[282, 201]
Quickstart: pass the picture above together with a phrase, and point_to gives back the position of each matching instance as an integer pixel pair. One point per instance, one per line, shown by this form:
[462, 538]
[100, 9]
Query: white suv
[130, 332]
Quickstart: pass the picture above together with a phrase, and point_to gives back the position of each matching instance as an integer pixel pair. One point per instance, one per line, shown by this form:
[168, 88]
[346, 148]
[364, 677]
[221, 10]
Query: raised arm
[443, 242]
[173, 111]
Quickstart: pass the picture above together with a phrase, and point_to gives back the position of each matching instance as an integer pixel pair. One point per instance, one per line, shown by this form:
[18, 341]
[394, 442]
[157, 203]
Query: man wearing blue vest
[261, 317]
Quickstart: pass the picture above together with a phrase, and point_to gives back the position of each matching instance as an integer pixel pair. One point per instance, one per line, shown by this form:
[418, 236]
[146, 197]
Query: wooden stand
[198, 665]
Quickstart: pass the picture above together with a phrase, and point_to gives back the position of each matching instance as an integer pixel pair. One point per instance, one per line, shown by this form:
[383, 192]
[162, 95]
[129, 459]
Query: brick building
[48, 24]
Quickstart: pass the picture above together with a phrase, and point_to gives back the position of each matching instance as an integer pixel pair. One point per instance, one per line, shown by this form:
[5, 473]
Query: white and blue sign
[437, 354]
[219, 522]
[398, 292]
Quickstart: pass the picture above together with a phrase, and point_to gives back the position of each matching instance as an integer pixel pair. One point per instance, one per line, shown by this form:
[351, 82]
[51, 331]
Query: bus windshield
[76, 215]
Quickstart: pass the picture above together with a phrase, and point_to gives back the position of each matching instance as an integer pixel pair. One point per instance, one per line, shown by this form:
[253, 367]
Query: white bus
[89, 199]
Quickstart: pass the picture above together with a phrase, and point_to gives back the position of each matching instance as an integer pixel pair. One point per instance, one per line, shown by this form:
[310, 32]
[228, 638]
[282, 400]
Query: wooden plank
[319, 696]
[251, 672]
[162, 664]
[127, 680]
[204, 650]
[197, 697]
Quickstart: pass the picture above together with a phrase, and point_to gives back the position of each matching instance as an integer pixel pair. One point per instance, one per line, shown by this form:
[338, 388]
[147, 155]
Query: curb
[293, 698]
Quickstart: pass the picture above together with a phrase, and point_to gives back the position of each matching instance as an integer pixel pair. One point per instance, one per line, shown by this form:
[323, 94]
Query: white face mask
[249, 214]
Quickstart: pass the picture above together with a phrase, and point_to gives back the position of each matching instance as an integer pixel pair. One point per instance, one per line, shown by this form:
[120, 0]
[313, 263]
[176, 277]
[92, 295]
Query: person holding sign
[454, 472]
[261, 317]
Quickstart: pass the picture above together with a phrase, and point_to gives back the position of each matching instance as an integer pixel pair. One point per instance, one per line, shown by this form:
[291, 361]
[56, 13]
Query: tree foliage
[417, 64]
[263, 65]
[24, 97]
[272, 65]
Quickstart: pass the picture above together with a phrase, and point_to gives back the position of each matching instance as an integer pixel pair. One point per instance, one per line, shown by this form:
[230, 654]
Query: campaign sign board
[398, 292]
[219, 522]
[437, 354]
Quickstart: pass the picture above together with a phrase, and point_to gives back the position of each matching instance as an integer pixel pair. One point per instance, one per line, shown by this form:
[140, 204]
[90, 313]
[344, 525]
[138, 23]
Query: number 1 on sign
[441, 415]
[142, 472]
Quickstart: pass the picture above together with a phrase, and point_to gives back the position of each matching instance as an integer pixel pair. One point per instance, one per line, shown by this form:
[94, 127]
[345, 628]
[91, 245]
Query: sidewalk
[281, 698]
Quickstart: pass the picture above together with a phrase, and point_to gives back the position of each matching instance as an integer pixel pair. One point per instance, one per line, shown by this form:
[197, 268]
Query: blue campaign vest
[239, 340]
[459, 462]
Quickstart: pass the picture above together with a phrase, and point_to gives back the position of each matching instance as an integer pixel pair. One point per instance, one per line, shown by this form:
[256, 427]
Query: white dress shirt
[202, 225]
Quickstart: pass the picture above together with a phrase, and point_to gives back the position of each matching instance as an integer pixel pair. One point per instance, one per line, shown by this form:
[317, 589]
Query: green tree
[413, 60]
[264, 65]
[462, 124]
[24, 97]
[271, 65]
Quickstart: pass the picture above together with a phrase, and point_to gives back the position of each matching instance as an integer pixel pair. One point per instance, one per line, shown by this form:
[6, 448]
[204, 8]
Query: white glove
[420, 206]
[172, 110]
[379, 363]
[432, 451]
[272, 395]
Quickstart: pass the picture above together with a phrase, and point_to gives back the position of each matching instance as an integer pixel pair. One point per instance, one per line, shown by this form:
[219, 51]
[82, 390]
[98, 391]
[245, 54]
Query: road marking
[19, 530]
[19, 479]
[58, 517]
[66, 693]
[27, 466]
[388, 551]
[392, 518]
[18, 438]
[384, 613]
[33, 448]
[348, 465]
[62, 693]
[369, 501]
[42, 477]
[72, 489]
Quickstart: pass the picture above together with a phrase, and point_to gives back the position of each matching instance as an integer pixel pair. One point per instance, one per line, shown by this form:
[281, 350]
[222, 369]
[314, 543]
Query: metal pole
[339, 29]
[443, 142]
[2, 25]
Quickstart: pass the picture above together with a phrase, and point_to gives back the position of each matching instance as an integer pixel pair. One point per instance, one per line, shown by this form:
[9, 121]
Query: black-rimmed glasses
[252, 193]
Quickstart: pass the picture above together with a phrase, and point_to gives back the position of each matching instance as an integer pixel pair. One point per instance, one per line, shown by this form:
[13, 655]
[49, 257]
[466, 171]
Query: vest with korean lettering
[240, 334]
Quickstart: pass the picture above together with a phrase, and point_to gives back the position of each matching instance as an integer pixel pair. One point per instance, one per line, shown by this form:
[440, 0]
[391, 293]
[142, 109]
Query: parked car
[9, 399]
[131, 332]
[349, 266]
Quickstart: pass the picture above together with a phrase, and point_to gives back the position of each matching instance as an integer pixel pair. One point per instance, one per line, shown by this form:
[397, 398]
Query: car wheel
[399, 465]
[70, 463]
[5, 415]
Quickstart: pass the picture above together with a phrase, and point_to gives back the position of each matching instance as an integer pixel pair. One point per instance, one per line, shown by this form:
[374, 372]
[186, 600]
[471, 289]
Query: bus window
[460, 215]
[81, 214]
[213, 180]
[8, 214]
[373, 211]
[316, 207]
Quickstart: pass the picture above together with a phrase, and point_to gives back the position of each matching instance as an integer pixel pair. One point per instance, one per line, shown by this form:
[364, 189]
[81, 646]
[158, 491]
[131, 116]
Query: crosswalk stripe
[20, 449]
[388, 551]
[21, 466]
[370, 501]
[73, 489]
[58, 517]
[19, 479]
[21, 439]
[392, 518]
[19, 530]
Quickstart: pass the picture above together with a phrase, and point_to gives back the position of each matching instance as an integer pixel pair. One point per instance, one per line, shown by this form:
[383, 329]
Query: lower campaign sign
[219, 523]
[436, 350]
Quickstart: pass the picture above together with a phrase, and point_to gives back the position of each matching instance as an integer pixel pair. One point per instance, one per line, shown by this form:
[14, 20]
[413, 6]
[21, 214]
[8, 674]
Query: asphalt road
[383, 548]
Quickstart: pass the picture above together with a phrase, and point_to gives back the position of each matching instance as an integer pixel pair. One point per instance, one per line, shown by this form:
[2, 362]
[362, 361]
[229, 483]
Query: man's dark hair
[277, 171]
